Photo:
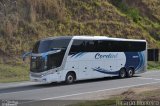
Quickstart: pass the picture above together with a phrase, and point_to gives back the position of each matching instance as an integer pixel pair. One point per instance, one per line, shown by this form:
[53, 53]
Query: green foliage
[130, 11]
[12, 73]
[145, 19]
[96, 103]
[31, 20]
[153, 65]
[134, 14]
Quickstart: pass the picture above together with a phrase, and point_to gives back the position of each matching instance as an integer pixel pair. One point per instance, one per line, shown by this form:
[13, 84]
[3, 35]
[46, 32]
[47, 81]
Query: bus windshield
[49, 45]
[54, 59]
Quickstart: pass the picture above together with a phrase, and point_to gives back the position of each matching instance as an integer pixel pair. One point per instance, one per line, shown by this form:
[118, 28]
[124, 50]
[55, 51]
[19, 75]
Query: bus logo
[100, 56]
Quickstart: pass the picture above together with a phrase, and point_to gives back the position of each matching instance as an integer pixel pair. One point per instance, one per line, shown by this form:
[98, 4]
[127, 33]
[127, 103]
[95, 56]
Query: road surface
[83, 90]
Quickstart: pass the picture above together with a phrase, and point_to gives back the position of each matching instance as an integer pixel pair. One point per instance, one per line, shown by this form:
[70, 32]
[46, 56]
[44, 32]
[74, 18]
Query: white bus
[73, 58]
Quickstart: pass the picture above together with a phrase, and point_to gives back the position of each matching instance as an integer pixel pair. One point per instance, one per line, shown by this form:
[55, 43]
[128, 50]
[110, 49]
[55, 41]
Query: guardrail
[153, 55]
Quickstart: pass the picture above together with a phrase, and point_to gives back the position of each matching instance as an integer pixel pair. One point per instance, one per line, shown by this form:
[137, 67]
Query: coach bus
[72, 58]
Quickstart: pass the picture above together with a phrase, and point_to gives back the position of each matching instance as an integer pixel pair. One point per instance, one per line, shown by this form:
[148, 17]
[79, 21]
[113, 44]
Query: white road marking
[151, 72]
[148, 78]
[99, 91]
[152, 75]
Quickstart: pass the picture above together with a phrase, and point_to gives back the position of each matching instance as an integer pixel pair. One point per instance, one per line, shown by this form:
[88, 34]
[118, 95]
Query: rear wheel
[70, 78]
[122, 73]
[130, 73]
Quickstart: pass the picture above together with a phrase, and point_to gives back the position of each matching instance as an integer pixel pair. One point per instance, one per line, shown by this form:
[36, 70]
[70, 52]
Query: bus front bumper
[45, 79]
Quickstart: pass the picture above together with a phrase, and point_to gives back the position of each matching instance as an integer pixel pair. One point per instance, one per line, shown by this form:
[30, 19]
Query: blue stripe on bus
[101, 70]
[76, 55]
[142, 61]
[45, 55]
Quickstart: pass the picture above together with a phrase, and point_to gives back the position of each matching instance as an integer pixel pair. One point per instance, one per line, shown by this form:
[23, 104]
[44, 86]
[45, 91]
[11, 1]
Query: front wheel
[70, 78]
[122, 73]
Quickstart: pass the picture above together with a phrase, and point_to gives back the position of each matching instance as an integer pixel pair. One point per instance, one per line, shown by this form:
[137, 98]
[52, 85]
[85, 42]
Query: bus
[73, 58]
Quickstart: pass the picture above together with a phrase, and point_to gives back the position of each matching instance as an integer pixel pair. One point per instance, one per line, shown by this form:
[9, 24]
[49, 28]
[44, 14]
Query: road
[83, 90]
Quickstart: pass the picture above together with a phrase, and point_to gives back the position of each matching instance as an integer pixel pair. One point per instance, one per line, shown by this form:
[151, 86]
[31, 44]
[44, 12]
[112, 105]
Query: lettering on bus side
[100, 56]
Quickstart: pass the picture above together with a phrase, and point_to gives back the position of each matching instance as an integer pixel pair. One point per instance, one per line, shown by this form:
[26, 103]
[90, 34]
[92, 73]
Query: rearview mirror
[25, 55]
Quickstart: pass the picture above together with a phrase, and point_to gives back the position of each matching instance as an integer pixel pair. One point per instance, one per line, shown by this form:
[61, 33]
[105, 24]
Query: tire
[122, 73]
[70, 78]
[130, 73]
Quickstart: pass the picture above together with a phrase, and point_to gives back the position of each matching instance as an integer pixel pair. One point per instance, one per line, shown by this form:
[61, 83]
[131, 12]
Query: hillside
[23, 22]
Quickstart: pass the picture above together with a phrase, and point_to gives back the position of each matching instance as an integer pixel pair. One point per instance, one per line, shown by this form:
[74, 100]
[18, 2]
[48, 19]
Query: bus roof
[105, 38]
[57, 37]
[86, 37]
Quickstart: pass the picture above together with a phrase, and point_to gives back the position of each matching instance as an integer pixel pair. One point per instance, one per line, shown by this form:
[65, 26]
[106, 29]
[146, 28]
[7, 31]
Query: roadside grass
[153, 65]
[151, 95]
[13, 73]
[127, 98]
[96, 103]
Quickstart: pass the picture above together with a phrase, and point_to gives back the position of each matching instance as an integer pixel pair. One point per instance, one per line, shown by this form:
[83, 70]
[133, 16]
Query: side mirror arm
[25, 55]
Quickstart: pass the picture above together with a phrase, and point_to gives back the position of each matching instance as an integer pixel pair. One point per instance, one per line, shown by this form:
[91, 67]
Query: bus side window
[77, 46]
[89, 46]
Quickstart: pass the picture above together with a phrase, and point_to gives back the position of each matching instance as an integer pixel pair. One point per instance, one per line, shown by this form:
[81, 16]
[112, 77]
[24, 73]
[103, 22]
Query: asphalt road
[83, 90]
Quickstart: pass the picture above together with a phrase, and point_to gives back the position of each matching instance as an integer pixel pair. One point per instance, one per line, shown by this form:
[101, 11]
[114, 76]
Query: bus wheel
[70, 78]
[130, 73]
[122, 73]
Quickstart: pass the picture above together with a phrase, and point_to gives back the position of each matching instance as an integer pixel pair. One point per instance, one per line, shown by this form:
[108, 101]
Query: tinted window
[47, 45]
[77, 46]
[121, 46]
[55, 60]
[106, 46]
[59, 43]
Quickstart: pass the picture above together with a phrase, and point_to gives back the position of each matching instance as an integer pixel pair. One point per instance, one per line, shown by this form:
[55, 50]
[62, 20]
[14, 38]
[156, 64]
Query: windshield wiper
[57, 49]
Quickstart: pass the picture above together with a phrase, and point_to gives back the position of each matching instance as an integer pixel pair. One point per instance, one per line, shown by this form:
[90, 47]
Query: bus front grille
[37, 64]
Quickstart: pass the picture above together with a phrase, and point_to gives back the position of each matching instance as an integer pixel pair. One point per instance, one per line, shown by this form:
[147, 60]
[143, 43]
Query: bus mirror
[25, 55]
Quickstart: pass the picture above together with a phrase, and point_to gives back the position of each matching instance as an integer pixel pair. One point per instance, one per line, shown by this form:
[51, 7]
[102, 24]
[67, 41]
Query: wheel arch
[123, 68]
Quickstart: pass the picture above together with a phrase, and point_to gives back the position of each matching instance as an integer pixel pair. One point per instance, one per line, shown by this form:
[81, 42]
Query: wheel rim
[130, 72]
[122, 74]
[70, 78]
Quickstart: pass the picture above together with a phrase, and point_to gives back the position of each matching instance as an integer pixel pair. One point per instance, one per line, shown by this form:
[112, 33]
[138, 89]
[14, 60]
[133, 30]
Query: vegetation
[96, 103]
[153, 65]
[10, 73]
[142, 17]
[23, 22]
[138, 96]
